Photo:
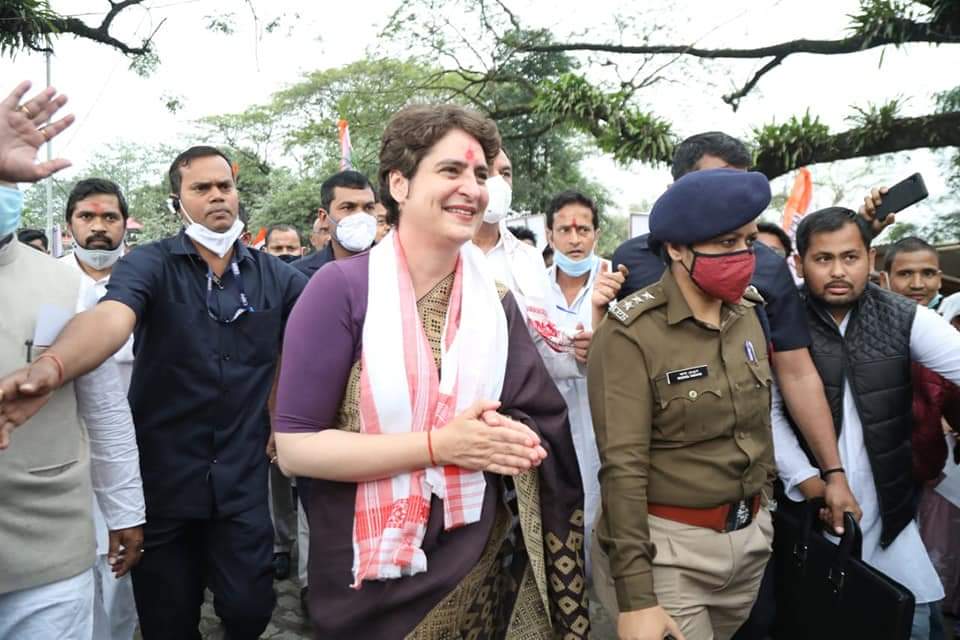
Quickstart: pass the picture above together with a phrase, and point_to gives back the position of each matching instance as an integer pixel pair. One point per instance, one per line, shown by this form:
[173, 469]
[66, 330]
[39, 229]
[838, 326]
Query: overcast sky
[215, 73]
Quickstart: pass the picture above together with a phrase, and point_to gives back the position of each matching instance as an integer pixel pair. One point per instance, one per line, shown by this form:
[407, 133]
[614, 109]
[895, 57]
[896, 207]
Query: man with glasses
[208, 316]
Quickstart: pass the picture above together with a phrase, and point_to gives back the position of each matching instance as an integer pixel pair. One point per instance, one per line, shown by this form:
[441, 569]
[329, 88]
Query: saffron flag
[798, 202]
[793, 211]
[260, 240]
[345, 147]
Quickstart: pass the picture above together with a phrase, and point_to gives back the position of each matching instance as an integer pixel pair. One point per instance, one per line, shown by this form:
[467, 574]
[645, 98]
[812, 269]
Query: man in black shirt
[208, 316]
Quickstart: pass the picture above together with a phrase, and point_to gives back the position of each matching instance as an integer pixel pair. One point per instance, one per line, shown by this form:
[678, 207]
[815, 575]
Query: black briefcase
[825, 591]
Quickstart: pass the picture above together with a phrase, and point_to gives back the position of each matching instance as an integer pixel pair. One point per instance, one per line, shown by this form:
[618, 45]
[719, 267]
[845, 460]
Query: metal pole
[49, 181]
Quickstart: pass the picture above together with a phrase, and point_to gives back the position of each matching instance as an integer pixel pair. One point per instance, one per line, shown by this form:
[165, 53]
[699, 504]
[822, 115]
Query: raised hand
[868, 210]
[22, 132]
[608, 284]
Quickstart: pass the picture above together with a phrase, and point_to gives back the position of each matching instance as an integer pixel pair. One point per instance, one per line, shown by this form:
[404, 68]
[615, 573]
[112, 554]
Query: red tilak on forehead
[471, 154]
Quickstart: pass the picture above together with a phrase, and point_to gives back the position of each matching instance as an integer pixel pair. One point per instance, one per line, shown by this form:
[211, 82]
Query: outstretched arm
[89, 339]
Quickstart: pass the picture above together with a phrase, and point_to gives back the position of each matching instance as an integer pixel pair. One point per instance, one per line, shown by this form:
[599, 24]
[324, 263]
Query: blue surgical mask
[574, 268]
[11, 208]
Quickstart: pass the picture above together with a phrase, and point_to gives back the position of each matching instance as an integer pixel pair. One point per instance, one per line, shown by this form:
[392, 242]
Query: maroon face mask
[725, 275]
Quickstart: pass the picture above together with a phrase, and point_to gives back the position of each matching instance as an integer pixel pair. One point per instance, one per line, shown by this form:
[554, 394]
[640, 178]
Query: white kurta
[574, 391]
[935, 345]
[520, 268]
[115, 614]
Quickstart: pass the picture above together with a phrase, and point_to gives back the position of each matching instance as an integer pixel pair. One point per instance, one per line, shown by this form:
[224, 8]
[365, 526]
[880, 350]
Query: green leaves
[873, 122]
[24, 24]
[884, 19]
[792, 143]
[625, 131]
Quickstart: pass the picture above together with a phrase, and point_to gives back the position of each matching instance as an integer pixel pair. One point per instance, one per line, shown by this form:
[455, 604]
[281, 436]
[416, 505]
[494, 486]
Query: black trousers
[230, 554]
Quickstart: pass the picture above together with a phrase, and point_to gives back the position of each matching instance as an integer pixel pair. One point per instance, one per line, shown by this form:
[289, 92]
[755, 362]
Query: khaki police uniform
[681, 412]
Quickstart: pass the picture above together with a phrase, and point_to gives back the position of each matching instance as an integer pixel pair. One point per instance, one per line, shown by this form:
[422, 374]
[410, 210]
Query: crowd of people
[462, 439]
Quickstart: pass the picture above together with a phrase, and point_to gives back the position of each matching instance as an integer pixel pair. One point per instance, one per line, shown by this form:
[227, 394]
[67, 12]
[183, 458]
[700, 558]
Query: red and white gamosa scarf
[400, 392]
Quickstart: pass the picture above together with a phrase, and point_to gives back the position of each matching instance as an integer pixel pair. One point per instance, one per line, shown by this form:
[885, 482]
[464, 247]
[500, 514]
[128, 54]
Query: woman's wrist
[436, 448]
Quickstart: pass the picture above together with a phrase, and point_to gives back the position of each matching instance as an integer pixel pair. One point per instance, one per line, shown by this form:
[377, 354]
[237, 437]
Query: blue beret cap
[705, 204]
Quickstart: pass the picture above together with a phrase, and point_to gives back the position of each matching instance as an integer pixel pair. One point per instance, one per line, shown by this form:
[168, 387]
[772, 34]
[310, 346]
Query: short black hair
[570, 196]
[94, 187]
[348, 179]
[910, 244]
[826, 221]
[523, 233]
[281, 227]
[27, 236]
[188, 156]
[774, 229]
[547, 252]
[711, 143]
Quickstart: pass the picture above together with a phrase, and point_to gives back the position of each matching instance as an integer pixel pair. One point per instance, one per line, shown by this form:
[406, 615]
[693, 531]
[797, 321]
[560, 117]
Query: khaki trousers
[707, 581]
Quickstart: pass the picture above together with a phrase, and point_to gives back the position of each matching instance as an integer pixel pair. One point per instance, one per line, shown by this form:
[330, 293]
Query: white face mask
[98, 259]
[356, 232]
[500, 198]
[218, 242]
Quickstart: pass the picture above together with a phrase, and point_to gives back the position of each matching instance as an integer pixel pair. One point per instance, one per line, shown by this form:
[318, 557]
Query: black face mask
[288, 257]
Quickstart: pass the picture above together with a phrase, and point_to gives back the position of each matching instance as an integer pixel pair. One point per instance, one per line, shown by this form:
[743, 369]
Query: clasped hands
[483, 439]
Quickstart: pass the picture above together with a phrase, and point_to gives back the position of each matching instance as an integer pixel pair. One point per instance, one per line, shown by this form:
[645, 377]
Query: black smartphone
[902, 195]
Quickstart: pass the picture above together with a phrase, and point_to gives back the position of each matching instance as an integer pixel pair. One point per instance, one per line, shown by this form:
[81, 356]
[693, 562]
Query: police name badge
[683, 375]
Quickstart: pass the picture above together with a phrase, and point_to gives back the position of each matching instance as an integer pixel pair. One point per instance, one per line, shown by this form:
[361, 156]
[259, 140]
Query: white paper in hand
[51, 320]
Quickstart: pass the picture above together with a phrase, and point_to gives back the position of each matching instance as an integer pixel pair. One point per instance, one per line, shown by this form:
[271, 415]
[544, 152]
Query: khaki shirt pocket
[761, 372]
[757, 390]
[689, 411]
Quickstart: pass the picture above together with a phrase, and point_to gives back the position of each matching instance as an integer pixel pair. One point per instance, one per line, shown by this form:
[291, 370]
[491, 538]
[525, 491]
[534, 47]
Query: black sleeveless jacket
[874, 354]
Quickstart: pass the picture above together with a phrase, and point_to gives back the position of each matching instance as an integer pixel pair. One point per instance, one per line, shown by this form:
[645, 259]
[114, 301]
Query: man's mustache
[100, 238]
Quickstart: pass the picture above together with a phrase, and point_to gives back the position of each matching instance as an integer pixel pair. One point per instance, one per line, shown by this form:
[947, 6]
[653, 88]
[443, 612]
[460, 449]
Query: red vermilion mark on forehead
[471, 154]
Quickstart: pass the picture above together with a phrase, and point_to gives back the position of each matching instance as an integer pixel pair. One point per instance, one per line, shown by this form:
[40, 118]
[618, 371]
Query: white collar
[588, 285]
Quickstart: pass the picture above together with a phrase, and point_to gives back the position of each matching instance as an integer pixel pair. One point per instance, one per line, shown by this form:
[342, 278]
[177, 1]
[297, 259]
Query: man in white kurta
[834, 260]
[572, 229]
[96, 216]
[520, 268]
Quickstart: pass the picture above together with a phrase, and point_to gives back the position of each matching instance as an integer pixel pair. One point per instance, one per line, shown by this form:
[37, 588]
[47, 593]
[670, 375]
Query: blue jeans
[927, 622]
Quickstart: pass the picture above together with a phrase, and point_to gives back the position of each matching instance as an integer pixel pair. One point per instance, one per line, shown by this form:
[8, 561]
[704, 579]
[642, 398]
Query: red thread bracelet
[433, 462]
[56, 361]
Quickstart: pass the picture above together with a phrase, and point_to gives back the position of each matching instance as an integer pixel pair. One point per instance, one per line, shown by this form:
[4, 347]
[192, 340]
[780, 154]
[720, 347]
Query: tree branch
[945, 29]
[733, 99]
[913, 32]
[903, 134]
[99, 34]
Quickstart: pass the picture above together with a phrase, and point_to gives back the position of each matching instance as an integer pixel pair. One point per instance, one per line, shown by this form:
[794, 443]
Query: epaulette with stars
[753, 295]
[638, 303]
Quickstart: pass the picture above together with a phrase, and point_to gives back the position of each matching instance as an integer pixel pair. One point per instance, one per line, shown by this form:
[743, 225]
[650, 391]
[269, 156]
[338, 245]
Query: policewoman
[679, 385]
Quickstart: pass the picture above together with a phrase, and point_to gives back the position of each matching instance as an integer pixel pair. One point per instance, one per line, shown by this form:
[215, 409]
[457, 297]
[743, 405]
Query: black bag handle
[851, 543]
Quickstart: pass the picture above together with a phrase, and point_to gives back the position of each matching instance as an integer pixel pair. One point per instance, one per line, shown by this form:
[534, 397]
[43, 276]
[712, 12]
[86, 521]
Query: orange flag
[259, 240]
[798, 202]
